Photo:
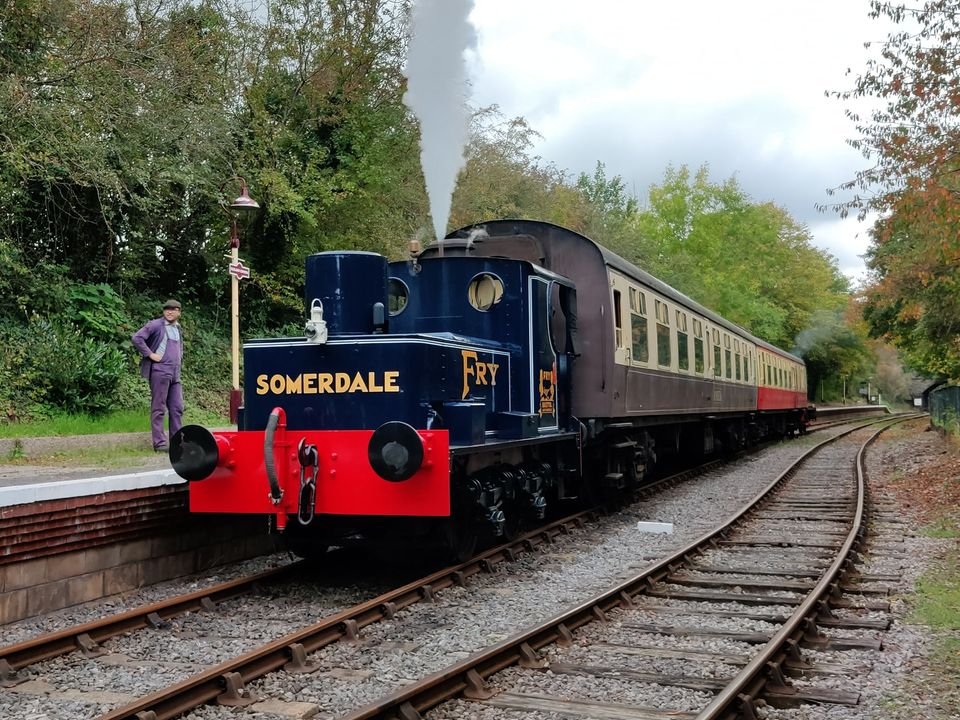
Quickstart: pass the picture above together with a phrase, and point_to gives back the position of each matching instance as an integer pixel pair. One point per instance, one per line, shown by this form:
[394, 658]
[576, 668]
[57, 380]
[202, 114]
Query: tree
[329, 143]
[751, 262]
[502, 178]
[913, 141]
[99, 145]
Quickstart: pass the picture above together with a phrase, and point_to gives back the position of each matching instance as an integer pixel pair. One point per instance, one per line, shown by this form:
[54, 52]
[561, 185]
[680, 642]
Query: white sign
[239, 270]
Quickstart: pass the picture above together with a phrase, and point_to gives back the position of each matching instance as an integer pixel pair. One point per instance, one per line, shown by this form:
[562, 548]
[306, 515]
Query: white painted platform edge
[82, 487]
[655, 527]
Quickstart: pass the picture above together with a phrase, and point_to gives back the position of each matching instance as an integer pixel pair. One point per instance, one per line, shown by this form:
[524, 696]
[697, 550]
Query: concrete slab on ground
[40, 460]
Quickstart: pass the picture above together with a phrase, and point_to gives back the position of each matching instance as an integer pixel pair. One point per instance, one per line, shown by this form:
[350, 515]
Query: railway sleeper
[811, 639]
[10, 677]
[779, 698]
[684, 681]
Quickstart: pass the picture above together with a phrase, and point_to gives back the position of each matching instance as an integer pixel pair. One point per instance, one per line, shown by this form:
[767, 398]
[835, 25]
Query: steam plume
[437, 95]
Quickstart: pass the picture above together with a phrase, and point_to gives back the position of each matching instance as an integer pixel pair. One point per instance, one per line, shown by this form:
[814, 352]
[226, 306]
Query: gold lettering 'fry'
[478, 370]
[329, 383]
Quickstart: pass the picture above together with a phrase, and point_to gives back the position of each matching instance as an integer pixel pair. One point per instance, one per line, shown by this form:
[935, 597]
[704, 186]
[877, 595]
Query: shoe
[160, 449]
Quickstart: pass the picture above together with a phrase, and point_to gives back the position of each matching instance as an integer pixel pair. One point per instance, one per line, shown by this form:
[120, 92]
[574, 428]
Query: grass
[938, 595]
[115, 422]
[105, 458]
[938, 606]
[944, 528]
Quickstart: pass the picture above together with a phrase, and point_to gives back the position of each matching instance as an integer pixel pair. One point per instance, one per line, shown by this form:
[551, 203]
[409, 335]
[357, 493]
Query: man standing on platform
[160, 344]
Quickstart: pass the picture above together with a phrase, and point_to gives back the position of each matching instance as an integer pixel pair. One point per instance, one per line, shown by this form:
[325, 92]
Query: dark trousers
[166, 393]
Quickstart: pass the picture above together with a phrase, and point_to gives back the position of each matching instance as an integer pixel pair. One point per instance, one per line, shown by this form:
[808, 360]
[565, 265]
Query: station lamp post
[243, 208]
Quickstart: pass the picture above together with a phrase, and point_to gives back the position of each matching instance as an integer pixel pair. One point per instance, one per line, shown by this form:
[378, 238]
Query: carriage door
[543, 359]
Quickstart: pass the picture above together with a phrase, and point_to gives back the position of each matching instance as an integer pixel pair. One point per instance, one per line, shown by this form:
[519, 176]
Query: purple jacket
[147, 339]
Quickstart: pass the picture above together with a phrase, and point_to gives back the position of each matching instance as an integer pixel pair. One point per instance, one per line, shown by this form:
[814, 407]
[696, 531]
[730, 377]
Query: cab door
[543, 357]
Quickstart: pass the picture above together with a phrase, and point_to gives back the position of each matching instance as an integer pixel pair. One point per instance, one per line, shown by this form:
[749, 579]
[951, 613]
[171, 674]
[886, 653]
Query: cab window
[485, 291]
[397, 295]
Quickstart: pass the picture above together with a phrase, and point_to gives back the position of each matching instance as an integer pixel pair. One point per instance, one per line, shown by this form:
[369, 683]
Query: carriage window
[697, 346]
[638, 301]
[727, 358]
[638, 326]
[663, 334]
[397, 295]
[683, 353]
[617, 319]
[736, 364]
[717, 364]
[485, 291]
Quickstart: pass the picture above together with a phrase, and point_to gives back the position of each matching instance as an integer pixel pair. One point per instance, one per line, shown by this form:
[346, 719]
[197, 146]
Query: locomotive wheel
[459, 533]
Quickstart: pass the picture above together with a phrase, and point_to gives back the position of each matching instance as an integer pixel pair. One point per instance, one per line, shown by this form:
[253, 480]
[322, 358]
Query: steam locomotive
[467, 392]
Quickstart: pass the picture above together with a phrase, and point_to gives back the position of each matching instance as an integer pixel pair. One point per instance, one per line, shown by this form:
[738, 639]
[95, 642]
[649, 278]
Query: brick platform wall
[59, 553]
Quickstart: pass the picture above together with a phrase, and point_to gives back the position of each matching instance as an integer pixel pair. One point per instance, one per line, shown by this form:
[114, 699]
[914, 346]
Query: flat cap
[171, 305]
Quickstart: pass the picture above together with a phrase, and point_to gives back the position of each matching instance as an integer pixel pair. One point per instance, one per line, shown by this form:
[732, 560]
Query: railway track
[793, 591]
[226, 682]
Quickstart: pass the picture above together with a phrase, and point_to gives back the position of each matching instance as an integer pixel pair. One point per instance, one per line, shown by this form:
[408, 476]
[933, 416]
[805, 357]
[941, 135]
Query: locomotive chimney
[351, 287]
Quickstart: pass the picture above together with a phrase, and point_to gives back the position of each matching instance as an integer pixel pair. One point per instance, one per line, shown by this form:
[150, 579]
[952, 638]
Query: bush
[52, 367]
[99, 311]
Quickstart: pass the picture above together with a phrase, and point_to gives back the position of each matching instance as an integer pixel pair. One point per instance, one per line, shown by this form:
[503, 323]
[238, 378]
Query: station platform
[68, 465]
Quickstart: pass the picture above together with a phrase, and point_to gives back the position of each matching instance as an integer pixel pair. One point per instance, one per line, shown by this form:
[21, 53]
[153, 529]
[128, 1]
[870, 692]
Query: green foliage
[750, 262]
[29, 288]
[117, 421]
[911, 183]
[113, 182]
[834, 347]
[206, 365]
[99, 309]
[945, 527]
[77, 373]
[502, 179]
[53, 367]
[939, 595]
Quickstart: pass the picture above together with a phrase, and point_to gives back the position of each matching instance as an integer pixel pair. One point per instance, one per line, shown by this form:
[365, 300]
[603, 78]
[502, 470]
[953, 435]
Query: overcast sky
[639, 86]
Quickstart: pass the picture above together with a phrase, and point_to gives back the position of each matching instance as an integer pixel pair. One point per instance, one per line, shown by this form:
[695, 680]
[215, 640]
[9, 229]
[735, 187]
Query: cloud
[639, 87]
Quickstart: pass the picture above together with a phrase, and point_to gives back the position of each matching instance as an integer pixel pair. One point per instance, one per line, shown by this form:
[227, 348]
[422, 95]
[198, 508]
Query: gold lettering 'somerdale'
[329, 383]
